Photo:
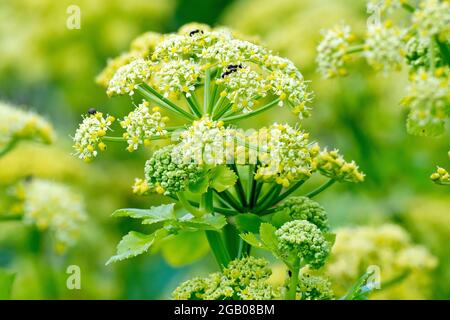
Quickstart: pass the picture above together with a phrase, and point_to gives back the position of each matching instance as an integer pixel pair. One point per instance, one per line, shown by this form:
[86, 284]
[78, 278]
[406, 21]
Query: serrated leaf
[221, 178]
[252, 240]
[248, 222]
[156, 214]
[268, 237]
[135, 243]
[200, 185]
[206, 222]
[185, 248]
[6, 283]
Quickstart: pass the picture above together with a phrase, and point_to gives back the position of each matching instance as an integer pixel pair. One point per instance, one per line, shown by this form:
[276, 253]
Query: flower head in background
[17, 124]
[52, 206]
[333, 50]
[441, 176]
[333, 165]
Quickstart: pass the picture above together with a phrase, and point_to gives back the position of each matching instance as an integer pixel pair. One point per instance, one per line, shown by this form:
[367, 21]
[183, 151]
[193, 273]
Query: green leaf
[200, 185]
[6, 283]
[360, 290]
[248, 222]
[221, 178]
[185, 248]
[252, 240]
[268, 237]
[135, 243]
[206, 222]
[280, 217]
[157, 214]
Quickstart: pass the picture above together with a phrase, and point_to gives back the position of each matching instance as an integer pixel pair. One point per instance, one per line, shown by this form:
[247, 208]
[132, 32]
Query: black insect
[231, 68]
[92, 111]
[191, 34]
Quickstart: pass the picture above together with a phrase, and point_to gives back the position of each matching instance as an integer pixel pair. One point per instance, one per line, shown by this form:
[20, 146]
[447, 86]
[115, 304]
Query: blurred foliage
[52, 69]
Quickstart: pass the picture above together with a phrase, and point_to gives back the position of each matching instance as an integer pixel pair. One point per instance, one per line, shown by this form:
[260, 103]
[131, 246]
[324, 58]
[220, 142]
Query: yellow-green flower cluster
[244, 279]
[314, 287]
[88, 137]
[245, 72]
[128, 77]
[142, 124]
[432, 18]
[55, 207]
[17, 124]
[303, 240]
[388, 247]
[428, 99]
[284, 154]
[178, 76]
[304, 208]
[207, 142]
[383, 47]
[332, 51]
[165, 173]
[332, 164]
[441, 176]
[383, 6]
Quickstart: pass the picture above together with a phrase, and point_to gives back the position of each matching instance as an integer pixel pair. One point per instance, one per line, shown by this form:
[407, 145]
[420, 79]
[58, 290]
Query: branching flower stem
[252, 113]
[320, 189]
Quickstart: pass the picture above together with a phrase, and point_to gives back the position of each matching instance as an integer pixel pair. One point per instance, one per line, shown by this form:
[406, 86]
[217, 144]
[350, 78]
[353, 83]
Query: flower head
[88, 137]
[284, 154]
[303, 240]
[441, 176]
[383, 47]
[166, 173]
[314, 287]
[332, 52]
[17, 124]
[432, 18]
[303, 208]
[53, 206]
[383, 6]
[429, 102]
[244, 279]
[331, 164]
[128, 77]
[142, 124]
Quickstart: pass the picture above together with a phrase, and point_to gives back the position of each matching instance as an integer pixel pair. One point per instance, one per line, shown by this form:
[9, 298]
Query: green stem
[10, 217]
[214, 237]
[268, 198]
[232, 240]
[206, 94]
[187, 205]
[195, 109]
[408, 7]
[224, 109]
[213, 98]
[444, 48]
[252, 113]
[114, 139]
[355, 49]
[151, 94]
[320, 189]
[239, 187]
[228, 198]
[9, 147]
[292, 292]
[283, 196]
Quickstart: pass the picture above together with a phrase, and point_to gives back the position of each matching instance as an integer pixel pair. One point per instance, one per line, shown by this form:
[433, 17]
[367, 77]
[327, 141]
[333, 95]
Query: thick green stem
[239, 187]
[151, 94]
[228, 198]
[289, 191]
[292, 292]
[268, 198]
[232, 240]
[187, 205]
[195, 109]
[215, 239]
[320, 189]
